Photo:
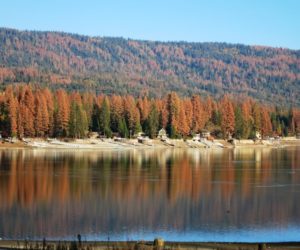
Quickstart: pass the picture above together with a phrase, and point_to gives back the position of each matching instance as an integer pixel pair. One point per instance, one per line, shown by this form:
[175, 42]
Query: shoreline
[144, 245]
[110, 144]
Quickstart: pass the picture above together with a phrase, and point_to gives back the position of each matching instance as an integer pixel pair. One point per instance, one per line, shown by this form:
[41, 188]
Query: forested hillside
[122, 66]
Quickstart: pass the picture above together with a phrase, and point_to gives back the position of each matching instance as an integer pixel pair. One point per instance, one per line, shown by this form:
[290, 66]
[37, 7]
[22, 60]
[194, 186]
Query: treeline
[122, 66]
[27, 111]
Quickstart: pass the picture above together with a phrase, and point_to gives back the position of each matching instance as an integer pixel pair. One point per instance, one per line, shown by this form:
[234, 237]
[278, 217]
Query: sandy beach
[110, 144]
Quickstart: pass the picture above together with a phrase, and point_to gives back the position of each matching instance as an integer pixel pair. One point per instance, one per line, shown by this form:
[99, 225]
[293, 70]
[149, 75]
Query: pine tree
[227, 117]
[143, 105]
[38, 117]
[122, 128]
[199, 115]
[117, 111]
[266, 125]
[188, 108]
[62, 113]
[173, 106]
[208, 108]
[41, 121]
[291, 121]
[5, 120]
[162, 109]
[78, 124]
[239, 123]
[216, 117]
[256, 114]
[20, 120]
[296, 118]
[95, 118]
[88, 104]
[104, 118]
[247, 119]
[27, 101]
[132, 115]
[12, 107]
[152, 122]
[75, 97]
[183, 127]
[50, 108]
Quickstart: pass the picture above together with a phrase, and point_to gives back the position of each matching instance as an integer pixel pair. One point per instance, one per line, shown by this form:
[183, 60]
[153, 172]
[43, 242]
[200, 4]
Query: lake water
[236, 195]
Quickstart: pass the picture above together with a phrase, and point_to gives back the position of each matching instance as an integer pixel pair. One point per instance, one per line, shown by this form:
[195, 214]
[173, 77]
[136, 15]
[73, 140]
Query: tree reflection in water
[57, 194]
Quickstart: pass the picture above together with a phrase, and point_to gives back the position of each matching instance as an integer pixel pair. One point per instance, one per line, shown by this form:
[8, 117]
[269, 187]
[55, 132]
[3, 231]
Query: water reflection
[134, 193]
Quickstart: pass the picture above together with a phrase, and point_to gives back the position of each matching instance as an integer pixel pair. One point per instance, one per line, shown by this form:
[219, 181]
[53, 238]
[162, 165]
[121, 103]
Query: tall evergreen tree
[152, 122]
[50, 109]
[132, 115]
[173, 106]
[41, 117]
[183, 126]
[239, 123]
[5, 120]
[104, 118]
[122, 128]
[247, 119]
[62, 113]
[256, 114]
[78, 124]
[266, 125]
[291, 121]
[117, 111]
[12, 109]
[198, 114]
[227, 117]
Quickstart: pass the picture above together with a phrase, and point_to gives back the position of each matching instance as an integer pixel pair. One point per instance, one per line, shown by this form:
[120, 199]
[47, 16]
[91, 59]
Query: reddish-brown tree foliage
[41, 121]
[198, 114]
[266, 125]
[227, 114]
[183, 126]
[173, 106]
[63, 111]
[32, 111]
[132, 114]
[144, 106]
[188, 107]
[256, 114]
[12, 110]
[50, 109]
[28, 106]
[163, 111]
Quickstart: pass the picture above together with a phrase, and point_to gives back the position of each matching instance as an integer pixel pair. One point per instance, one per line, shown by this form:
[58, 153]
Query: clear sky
[255, 22]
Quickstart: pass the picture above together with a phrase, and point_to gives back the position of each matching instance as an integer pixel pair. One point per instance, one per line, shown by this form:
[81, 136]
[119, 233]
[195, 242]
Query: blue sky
[255, 22]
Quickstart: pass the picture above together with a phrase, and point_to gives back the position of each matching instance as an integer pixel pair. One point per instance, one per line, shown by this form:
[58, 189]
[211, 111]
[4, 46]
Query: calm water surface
[185, 195]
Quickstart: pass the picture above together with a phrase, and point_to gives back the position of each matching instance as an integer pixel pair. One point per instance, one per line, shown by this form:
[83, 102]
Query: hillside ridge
[127, 66]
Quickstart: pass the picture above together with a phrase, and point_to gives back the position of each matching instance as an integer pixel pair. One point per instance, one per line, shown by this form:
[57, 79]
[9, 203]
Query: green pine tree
[122, 128]
[78, 123]
[152, 122]
[104, 119]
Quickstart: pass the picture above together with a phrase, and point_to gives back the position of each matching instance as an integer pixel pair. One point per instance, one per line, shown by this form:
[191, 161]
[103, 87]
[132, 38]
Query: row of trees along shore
[27, 111]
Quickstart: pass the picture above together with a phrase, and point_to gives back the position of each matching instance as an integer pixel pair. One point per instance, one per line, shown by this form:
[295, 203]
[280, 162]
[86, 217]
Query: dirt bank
[135, 245]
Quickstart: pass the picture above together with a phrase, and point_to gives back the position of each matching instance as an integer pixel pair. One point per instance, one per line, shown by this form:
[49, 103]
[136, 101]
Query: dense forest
[124, 66]
[33, 111]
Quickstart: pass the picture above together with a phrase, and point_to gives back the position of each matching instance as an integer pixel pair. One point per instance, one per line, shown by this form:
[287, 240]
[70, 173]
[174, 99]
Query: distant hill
[117, 65]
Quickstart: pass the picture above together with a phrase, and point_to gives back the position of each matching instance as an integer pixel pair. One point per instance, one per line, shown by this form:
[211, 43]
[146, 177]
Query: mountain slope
[129, 66]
